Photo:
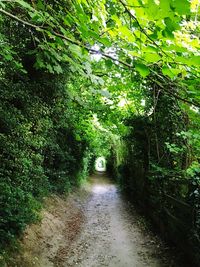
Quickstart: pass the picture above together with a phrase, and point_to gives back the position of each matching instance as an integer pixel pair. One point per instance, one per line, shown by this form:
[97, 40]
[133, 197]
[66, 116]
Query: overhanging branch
[75, 42]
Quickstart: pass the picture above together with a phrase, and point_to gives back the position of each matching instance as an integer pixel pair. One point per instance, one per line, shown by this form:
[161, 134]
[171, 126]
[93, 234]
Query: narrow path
[94, 227]
[111, 235]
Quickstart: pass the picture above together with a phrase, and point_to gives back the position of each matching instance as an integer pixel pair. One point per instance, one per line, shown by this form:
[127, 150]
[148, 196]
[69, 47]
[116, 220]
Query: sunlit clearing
[100, 164]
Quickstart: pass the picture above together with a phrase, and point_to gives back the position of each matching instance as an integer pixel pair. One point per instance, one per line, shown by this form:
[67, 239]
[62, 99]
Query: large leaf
[142, 69]
[170, 72]
[171, 25]
[182, 6]
[152, 57]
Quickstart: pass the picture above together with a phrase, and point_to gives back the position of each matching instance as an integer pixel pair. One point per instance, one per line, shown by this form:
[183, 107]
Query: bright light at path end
[100, 164]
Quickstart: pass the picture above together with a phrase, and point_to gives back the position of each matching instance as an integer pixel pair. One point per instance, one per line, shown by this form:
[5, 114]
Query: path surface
[96, 228]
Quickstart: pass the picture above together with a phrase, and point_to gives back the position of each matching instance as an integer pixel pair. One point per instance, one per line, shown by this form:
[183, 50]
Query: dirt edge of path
[52, 242]
[47, 243]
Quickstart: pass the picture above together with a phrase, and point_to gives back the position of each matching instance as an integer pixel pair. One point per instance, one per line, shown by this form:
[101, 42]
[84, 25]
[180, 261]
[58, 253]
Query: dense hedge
[59, 108]
[172, 204]
[39, 148]
[156, 179]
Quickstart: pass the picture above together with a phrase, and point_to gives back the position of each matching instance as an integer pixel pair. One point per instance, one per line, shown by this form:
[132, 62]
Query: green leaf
[108, 63]
[88, 67]
[2, 5]
[105, 93]
[75, 49]
[58, 69]
[125, 33]
[8, 57]
[150, 48]
[142, 69]
[25, 5]
[165, 6]
[167, 34]
[190, 61]
[152, 57]
[40, 5]
[171, 72]
[152, 9]
[182, 7]
[50, 68]
[195, 60]
[171, 25]
[105, 41]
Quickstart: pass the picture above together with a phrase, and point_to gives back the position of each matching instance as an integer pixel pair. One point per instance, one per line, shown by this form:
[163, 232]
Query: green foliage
[194, 171]
[45, 133]
[18, 208]
[81, 79]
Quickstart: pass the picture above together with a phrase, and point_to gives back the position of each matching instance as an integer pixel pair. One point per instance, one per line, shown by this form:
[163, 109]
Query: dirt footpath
[93, 227]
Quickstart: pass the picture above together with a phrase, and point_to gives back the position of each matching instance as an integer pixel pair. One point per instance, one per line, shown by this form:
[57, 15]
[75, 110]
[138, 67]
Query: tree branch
[116, 61]
[185, 100]
[39, 27]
